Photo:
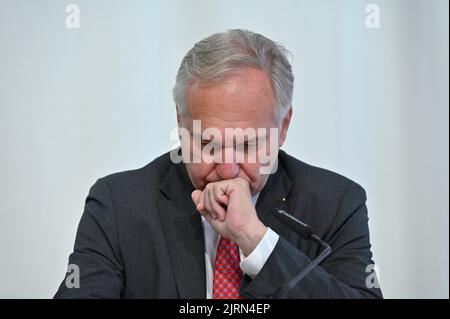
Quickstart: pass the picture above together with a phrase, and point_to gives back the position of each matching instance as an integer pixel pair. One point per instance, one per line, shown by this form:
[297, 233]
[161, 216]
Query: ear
[178, 117]
[284, 127]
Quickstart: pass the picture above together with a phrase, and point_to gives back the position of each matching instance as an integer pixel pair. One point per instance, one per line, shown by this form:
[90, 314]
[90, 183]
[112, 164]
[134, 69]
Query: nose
[227, 170]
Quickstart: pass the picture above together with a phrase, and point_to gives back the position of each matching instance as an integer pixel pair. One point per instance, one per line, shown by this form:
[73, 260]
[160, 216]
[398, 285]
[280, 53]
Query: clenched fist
[227, 205]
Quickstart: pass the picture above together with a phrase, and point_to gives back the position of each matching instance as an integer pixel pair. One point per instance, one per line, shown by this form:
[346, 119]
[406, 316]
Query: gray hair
[223, 54]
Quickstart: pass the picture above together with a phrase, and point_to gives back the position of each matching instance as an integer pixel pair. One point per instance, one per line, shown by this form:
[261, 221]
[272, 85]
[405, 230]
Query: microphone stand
[305, 232]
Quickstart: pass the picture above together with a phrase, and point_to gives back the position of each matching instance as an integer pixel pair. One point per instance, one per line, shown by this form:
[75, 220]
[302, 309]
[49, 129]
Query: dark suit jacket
[141, 237]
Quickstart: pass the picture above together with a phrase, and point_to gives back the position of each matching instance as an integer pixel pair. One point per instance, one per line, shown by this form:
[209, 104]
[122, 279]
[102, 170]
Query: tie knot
[225, 241]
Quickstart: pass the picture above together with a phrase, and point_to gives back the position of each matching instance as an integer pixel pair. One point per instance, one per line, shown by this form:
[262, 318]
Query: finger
[197, 197]
[220, 195]
[220, 211]
[220, 203]
[209, 200]
[213, 222]
[216, 224]
[222, 199]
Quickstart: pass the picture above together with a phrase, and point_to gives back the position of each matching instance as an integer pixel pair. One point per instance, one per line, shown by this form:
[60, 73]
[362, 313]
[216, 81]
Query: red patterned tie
[227, 273]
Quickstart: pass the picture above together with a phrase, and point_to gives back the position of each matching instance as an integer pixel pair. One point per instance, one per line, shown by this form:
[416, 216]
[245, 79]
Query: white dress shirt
[250, 265]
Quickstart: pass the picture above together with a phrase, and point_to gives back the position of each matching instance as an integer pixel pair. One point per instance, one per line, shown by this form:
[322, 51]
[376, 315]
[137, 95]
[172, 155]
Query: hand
[227, 206]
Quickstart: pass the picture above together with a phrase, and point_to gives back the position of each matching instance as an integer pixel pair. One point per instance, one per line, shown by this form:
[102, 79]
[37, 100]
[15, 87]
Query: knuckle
[242, 182]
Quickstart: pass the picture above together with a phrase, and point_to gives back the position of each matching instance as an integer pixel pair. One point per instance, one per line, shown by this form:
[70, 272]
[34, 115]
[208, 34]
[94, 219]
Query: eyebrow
[252, 140]
[200, 137]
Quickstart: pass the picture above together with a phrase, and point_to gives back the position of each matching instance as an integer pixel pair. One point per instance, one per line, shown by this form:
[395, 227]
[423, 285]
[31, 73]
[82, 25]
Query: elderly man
[197, 222]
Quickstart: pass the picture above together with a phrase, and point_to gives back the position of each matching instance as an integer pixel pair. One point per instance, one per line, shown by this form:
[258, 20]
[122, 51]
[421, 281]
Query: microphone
[305, 232]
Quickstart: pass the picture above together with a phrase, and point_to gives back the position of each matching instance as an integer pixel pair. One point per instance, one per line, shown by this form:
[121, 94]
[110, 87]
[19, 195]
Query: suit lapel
[184, 233]
[276, 194]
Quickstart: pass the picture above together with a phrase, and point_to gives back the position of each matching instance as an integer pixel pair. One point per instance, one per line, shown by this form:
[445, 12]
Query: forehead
[244, 99]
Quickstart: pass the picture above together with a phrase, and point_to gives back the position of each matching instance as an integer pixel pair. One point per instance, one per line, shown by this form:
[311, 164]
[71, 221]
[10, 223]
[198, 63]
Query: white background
[78, 104]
